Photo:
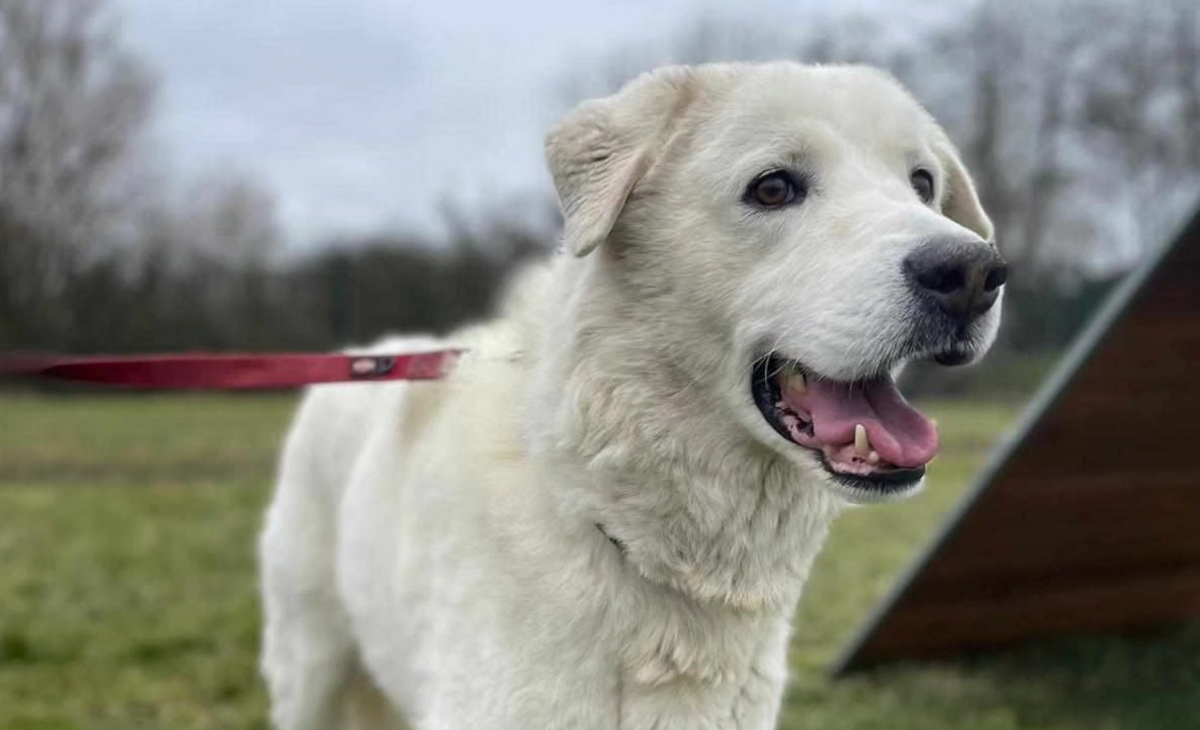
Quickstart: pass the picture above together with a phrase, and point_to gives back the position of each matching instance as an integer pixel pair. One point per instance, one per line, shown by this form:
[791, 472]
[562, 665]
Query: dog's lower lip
[895, 480]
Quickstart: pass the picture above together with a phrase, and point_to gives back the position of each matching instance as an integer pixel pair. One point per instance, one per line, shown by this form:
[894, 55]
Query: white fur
[432, 551]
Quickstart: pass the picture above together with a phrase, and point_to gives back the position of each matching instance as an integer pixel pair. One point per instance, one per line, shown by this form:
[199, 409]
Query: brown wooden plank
[946, 628]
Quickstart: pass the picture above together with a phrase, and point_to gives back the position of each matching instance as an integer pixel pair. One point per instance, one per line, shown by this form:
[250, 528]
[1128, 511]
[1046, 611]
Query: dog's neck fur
[711, 522]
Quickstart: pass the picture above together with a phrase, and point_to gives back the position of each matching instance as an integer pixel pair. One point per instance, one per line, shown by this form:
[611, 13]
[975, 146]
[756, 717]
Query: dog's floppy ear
[960, 202]
[603, 147]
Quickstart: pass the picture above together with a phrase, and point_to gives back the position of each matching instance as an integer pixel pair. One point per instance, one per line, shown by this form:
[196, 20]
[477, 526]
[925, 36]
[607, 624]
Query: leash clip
[371, 367]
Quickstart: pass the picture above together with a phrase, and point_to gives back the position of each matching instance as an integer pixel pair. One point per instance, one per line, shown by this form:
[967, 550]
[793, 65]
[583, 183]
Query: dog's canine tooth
[862, 445]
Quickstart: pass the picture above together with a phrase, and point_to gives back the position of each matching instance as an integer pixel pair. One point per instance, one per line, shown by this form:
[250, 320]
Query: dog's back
[316, 670]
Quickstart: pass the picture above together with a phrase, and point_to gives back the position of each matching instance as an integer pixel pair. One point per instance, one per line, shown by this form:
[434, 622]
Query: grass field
[128, 600]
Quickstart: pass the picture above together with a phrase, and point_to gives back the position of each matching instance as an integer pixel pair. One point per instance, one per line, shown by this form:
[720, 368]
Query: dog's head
[813, 222]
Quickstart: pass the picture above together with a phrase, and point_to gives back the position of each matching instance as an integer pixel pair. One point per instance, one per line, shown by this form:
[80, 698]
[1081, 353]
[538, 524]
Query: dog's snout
[963, 278]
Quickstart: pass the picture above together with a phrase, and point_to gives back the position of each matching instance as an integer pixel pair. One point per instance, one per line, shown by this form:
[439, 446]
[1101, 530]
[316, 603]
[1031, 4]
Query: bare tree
[73, 107]
[231, 217]
[1186, 62]
[707, 40]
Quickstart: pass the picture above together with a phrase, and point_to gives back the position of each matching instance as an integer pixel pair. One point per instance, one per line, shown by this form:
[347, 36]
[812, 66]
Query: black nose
[963, 278]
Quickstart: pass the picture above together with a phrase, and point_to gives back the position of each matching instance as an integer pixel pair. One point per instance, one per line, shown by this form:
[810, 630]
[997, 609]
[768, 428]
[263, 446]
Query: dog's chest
[719, 670]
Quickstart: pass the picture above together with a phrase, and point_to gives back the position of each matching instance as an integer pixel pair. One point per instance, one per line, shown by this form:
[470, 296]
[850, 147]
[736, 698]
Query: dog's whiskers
[773, 353]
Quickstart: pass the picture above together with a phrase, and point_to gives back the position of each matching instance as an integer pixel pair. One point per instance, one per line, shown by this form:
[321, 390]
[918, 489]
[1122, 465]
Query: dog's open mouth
[864, 432]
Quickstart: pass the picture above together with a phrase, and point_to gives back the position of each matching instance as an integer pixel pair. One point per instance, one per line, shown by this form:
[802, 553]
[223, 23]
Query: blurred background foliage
[1078, 118]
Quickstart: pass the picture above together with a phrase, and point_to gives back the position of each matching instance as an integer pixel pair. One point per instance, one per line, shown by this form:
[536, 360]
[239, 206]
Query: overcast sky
[364, 114]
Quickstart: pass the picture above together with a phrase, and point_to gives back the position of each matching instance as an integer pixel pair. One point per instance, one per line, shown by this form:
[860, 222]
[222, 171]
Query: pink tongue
[901, 434]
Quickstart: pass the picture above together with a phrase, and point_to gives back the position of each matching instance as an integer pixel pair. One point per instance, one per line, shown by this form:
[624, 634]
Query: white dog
[604, 517]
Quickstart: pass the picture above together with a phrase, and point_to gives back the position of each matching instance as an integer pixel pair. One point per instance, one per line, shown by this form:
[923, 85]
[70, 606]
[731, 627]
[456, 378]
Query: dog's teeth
[862, 446]
[873, 457]
[796, 383]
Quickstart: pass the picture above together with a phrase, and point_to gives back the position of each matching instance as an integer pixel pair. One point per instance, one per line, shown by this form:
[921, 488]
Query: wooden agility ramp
[1087, 519]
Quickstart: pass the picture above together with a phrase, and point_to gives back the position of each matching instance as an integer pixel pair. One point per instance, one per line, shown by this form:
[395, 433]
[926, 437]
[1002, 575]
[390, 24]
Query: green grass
[127, 584]
[128, 599]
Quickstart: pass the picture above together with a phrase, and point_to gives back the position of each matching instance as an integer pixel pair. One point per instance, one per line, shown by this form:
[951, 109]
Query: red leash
[198, 371]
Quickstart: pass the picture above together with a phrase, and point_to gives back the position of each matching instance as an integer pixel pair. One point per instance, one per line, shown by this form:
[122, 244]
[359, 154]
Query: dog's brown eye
[772, 190]
[922, 182]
